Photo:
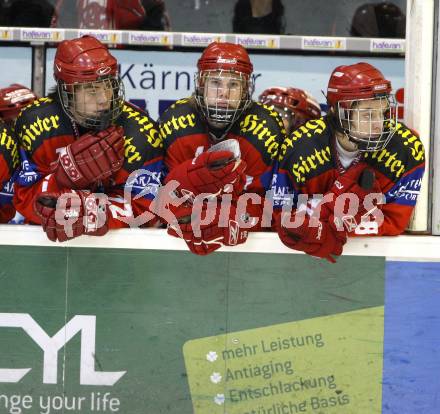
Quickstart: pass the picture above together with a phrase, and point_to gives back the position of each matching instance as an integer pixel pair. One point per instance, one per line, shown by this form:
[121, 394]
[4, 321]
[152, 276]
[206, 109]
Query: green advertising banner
[140, 332]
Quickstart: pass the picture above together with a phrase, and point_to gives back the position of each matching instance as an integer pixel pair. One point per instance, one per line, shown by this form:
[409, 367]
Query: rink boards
[141, 331]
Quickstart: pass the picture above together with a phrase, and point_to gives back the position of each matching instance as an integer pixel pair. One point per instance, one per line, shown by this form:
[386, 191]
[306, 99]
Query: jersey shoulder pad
[404, 152]
[42, 119]
[262, 127]
[142, 140]
[180, 119]
[9, 148]
[307, 152]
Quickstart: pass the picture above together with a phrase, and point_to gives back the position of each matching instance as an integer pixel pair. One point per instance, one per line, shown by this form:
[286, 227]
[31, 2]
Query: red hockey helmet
[360, 99]
[295, 105]
[13, 99]
[224, 85]
[358, 81]
[226, 56]
[86, 63]
[83, 59]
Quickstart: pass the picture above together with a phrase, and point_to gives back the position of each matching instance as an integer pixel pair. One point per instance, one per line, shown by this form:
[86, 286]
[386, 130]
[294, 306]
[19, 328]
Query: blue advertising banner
[412, 338]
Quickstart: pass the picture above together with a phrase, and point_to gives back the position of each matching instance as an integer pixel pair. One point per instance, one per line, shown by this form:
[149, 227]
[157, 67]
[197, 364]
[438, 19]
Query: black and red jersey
[9, 163]
[43, 129]
[259, 132]
[308, 164]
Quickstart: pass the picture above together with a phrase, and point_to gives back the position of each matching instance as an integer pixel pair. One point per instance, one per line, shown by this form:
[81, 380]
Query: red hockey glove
[68, 215]
[91, 158]
[322, 241]
[211, 172]
[205, 238]
[359, 181]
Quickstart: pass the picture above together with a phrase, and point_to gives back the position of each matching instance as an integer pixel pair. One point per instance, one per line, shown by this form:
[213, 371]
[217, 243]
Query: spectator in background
[294, 105]
[26, 13]
[156, 16]
[378, 20]
[258, 16]
[122, 14]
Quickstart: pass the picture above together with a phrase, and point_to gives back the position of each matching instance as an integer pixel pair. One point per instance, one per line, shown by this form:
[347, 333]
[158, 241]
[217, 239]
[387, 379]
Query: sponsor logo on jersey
[131, 153]
[389, 161]
[8, 188]
[30, 132]
[6, 141]
[408, 191]
[411, 141]
[308, 130]
[144, 183]
[28, 173]
[146, 127]
[177, 123]
[258, 127]
[308, 163]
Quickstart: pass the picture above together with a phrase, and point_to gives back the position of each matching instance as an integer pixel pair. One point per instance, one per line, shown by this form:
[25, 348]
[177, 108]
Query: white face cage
[93, 105]
[370, 123]
[222, 95]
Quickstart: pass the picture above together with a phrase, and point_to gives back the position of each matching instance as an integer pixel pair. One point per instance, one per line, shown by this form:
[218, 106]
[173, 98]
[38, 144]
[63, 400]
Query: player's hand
[358, 179]
[66, 215]
[359, 182]
[323, 240]
[91, 158]
[205, 238]
[215, 173]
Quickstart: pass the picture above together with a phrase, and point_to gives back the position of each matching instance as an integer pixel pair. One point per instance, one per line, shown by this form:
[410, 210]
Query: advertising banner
[104, 330]
[138, 331]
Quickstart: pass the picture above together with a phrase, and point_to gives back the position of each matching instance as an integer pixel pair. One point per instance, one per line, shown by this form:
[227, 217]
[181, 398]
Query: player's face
[223, 89]
[93, 98]
[367, 118]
